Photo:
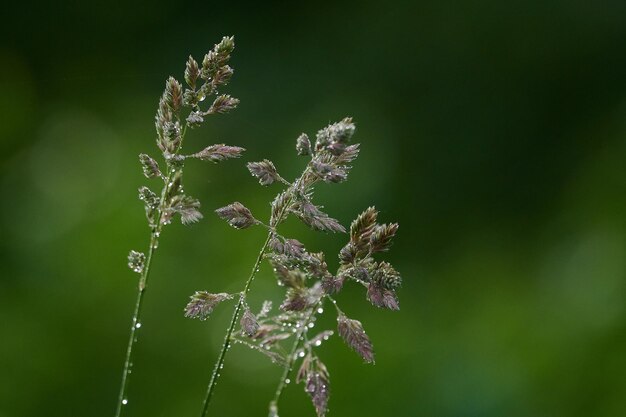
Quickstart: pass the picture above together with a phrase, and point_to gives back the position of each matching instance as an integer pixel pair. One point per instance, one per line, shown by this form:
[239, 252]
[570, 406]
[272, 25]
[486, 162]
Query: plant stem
[292, 355]
[154, 242]
[131, 341]
[287, 369]
[233, 322]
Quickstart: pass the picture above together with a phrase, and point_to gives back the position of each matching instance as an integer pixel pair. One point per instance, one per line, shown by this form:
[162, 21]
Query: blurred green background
[493, 132]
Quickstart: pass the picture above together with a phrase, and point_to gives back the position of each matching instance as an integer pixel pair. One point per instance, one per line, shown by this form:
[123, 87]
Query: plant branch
[143, 280]
[291, 358]
[233, 322]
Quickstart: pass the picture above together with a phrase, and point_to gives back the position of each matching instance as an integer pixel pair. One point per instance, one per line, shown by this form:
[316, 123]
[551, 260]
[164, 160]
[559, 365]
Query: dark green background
[494, 132]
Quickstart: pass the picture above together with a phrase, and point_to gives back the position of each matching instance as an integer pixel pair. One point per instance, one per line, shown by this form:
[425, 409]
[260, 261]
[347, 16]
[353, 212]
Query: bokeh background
[493, 132]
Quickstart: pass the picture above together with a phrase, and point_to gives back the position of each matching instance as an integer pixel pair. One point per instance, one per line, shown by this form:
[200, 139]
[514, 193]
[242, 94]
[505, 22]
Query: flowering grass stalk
[202, 82]
[356, 264]
[305, 275]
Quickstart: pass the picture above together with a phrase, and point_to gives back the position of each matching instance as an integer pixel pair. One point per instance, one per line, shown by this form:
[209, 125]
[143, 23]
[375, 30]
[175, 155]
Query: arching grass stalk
[233, 321]
[305, 275]
[329, 163]
[171, 129]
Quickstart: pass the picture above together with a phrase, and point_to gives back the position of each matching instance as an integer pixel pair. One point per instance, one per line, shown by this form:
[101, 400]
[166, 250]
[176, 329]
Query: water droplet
[311, 325]
[138, 325]
[301, 354]
[287, 381]
[124, 401]
[318, 342]
[320, 310]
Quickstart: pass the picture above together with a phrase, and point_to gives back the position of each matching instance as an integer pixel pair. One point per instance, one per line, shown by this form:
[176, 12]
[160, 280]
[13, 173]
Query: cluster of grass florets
[285, 334]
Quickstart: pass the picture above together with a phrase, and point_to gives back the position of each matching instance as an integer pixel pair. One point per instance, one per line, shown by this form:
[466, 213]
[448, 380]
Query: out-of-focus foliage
[493, 132]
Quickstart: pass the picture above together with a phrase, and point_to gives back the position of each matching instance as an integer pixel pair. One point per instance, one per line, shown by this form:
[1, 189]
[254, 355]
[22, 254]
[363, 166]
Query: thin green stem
[332, 300]
[136, 321]
[122, 400]
[233, 322]
[292, 355]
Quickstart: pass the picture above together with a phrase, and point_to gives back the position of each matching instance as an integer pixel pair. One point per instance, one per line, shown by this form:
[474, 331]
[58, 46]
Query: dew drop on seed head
[138, 325]
[301, 354]
[124, 401]
[320, 310]
[287, 381]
